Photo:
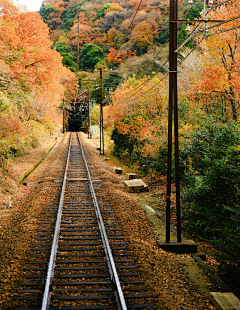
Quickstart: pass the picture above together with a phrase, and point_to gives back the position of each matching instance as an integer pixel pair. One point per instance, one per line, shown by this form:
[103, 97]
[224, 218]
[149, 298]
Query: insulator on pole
[187, 28]
[210, 3]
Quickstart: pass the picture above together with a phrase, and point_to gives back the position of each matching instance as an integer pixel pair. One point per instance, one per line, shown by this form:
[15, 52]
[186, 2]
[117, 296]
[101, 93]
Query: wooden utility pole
[101, 114]
[89, 117]
[186, 246]
[63, 116]
[78, 43]
[173, 105]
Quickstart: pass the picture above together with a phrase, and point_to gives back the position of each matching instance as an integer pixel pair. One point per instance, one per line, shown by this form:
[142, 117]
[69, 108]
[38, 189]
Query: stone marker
[135, 186]
[118, 170]
[106, 158]
[131, 176]
[225, 301]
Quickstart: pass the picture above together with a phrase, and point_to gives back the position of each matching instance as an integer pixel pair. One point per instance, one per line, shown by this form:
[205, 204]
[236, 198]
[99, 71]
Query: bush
[209, 162]
[123, 144]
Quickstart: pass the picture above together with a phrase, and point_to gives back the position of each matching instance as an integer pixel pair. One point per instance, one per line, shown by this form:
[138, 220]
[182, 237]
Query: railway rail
[80, 258]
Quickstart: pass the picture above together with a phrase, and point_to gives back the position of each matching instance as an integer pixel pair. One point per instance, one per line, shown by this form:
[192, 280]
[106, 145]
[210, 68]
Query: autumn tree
[142, 36]
[116, 57]
[114, 7]
[80, 34]
[141, 117]
[112, 37]
[38, 78]
[219, 78]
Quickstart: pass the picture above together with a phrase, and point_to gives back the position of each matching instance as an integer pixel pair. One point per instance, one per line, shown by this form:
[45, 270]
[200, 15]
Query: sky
[32, 5]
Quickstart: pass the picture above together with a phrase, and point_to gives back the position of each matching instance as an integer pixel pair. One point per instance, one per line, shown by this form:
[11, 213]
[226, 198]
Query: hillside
[114, 36]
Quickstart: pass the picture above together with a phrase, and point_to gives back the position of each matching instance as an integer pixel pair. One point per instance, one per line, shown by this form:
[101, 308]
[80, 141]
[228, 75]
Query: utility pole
[63, 115]
[89, 117]
[101, 114]
[78, 43]
[179, 246]
[173, 109]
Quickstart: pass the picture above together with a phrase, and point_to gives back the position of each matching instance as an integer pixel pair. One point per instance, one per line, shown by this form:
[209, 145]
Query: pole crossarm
[196, 21]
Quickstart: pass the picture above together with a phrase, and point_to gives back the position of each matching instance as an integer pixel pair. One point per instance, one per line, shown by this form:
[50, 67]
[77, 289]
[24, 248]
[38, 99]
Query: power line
[194, 32]
[213, 34]
[165, 75]
[149, 79]
[151, 76]
[144, 83]
[214, 26]
[152, 87]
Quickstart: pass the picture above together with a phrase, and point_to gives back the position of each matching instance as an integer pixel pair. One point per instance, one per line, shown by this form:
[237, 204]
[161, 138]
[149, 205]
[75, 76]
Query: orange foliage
[31, 60]
[219, 79]
[118, 57]
[135, 4]
[84, 34]
[112, 37]
[142, 116]
[33, 78]
[114, 7]
[142, 35]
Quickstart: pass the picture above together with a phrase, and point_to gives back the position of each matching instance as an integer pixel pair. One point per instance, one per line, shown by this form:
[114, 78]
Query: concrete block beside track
[117, 170]
[131, 176]
[225, 301]
[135, 186]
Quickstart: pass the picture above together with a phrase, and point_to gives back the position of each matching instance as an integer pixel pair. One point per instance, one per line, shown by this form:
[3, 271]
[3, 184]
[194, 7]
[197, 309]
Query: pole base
[186, 246]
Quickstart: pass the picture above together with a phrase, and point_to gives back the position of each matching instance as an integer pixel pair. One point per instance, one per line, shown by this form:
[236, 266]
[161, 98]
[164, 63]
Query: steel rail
[52, 259]
[107, 249]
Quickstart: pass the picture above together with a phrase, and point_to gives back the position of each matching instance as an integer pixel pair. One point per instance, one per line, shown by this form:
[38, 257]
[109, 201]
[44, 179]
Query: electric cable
[192, 33]
[213, 34]
[166, 74]
[220, 24]
[149, 79]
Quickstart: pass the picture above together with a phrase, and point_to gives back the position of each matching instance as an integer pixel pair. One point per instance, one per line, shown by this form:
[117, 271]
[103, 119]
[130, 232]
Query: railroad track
[80, 258]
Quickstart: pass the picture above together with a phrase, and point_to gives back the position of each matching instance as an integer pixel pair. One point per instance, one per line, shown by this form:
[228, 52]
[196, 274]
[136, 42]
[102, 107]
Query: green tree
[101, 13]
[46, 10]
[67, 54]
[113, 80]
[90, 55]
[69, 15]
[193, 13]
[95, 94]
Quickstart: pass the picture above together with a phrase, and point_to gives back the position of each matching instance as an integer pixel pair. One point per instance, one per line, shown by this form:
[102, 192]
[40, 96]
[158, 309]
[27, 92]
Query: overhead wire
[223, 2]
[166, 74]
[212, 34]
[220, 24]
[128, 28]
[149, 79]
[192, 33]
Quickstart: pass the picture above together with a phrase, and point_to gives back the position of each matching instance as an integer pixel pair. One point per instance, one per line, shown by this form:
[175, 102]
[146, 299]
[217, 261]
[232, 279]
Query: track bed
[80, 258]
